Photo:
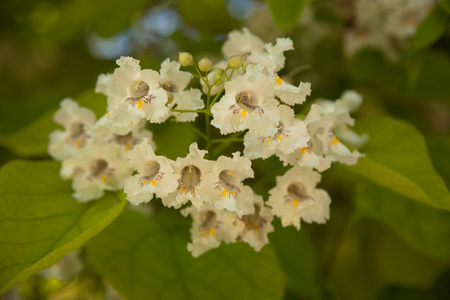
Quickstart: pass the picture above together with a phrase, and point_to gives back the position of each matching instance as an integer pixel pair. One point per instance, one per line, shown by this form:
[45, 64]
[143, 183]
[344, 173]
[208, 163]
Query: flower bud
[235, 62]
[185, 59]
[205, 64]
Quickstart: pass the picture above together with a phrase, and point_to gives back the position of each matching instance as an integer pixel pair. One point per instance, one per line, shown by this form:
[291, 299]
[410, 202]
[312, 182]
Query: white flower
[192, 170]
[133, 94]
[210, 227]
[102, 134]
[307, 157]
[352, 100]
[223, 187]
[94, 169]
[321, 120]
[350, 137]
[257, 225]
[171, 78]
[103, 83]
[248, 103]
[291, 135]
[296, 198]
[155, 175]
[174, 82]
[76, 120]
[241, 42]
[290, 94]
[187, 100]
[384, 24]
[273, 56]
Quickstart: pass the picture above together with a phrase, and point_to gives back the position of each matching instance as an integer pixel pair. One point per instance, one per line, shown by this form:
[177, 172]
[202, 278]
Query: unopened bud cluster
[117, 151]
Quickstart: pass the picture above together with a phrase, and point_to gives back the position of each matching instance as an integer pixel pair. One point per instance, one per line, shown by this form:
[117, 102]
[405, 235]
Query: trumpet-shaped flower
[242, 42]
[223, 187]
[76, 121]
[257, 225]
[133, 94]
[154, 175]
[291, 135]
[296, 198]
[210, 227]
[248, 103]
[192, 170]
[101, 134]
[94, 169]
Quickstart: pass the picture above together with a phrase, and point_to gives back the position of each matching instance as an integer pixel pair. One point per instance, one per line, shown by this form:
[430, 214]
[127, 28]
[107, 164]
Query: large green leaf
[298, 259]
[286, 12]
[146, 258]
[40, 222]
[370, 257]
[425, 228]
[430, 30]
[397, 159]
[32, 140]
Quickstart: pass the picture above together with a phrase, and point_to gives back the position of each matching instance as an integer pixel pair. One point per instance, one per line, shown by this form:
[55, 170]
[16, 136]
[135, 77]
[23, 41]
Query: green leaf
[425, 228]
[370, 257]
[430, 30]
[286, 12]
[397, 159]
[298, 259]
[40, 222]
[32, 140]
[146, 258]
[445, 4]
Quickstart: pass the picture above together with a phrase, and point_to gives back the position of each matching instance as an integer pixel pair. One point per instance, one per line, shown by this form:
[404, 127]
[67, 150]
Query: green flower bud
[235, 62]
[185, 59]
[205, 64]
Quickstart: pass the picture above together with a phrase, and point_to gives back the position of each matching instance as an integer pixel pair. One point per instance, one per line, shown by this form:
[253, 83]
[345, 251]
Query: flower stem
[196, 130]
[203, 111]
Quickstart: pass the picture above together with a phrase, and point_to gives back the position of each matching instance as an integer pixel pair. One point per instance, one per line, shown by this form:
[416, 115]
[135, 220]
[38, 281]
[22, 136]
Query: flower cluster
[244, 95]
[384, 25]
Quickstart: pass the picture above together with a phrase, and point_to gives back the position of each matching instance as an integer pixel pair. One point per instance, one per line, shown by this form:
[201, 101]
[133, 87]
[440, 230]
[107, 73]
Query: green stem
[203, 111]
[226, 142]
[217, 96]
[205, 80]
[207, 125]
[196, 130]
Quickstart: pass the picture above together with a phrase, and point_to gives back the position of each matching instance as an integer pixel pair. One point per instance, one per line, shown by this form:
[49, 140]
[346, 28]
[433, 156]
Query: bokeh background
[394, 53]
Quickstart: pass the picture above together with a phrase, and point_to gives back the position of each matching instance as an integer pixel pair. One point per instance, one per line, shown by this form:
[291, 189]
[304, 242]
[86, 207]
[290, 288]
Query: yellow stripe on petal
[224, 193]
[244, 113]
[153, 182]
[211, 232]
[140, 102]
[295, 202]
[280, 138]
[104, 178]
[279, 80]
[335, 141]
